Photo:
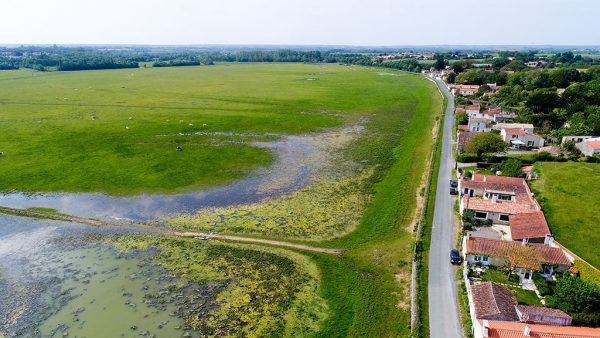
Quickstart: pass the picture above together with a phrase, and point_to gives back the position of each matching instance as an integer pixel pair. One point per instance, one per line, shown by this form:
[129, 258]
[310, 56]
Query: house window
[504, 217]
[530, 143]
[477, 258]
[515, 136]
[504, 197]
[479, 214]
[485, 258]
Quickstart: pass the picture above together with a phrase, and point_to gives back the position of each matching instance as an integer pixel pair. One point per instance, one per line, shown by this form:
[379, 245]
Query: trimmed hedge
[467, 158]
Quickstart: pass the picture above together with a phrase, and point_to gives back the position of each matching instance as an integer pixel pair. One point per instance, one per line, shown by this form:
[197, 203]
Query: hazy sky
[349, 22]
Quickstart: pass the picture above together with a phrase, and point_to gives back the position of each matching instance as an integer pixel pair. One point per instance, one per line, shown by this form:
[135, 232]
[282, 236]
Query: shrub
[486, 143]
[586, 319]
[574, 295]
[512, 167]
[542, 285]
[468, 158]
[593, 159]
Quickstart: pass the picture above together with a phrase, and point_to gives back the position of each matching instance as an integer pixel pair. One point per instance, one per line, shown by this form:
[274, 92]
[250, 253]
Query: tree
[512, 168]
[576, 297]
[440, 63]
[486, 143]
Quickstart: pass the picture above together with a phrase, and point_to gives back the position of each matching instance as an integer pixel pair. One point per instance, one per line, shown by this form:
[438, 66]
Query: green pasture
[98, 131]
[569, 193]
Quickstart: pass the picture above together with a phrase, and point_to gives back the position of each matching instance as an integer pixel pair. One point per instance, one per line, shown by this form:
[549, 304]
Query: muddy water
[297, 158]
[55, 282]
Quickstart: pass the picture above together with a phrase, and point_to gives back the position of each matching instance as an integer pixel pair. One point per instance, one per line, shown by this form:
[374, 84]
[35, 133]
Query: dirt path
[201, 235]
[98, 223]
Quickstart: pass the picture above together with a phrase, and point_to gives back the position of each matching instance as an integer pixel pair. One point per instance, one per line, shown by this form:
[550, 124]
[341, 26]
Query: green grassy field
[367, 287]
[569, 193]
[97, 130]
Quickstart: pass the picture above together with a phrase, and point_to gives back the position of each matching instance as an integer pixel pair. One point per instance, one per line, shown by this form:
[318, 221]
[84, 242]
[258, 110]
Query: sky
[306, 22]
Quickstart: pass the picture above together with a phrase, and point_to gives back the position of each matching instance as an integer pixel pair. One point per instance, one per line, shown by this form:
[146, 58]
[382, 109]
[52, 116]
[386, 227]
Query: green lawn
[570, 194]
[98, 130]
[526, 297]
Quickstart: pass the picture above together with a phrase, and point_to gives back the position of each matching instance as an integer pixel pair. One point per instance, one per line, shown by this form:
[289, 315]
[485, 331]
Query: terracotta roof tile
[465, 137]
[528, 225]
[593, 144]
[503, 207]
[529, 256]
[493, 301]
[500, 329]
[514, 131]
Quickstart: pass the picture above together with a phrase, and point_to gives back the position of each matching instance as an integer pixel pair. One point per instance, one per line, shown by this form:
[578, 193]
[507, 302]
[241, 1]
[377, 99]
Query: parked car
[455, 257]
[454, 183]
[453, 191]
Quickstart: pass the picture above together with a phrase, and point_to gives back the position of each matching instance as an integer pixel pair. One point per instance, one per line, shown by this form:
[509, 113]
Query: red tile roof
[518, 187]
[473, 108]
[593, 144]
[499, 329]
[465, 137]
[534, 315]
[502, 207]
[514, 131]
[463, 127]
[528, 256]
[528, 225]
[493, 301]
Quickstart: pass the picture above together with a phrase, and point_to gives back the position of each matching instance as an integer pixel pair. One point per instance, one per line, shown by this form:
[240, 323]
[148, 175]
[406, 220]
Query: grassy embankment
[569, 193]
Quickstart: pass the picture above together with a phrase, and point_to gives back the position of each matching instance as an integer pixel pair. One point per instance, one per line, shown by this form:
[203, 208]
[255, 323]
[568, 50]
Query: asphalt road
[443, 316]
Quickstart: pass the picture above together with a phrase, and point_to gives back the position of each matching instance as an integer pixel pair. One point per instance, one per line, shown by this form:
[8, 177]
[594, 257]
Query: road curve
[443, 316]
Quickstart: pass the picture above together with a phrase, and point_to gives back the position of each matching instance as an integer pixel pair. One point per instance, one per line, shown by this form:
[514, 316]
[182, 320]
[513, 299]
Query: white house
[588, 147]
[575, 139]
[525, 126]
[478, 124]
[521, 138]
[495, 198]
[473, 111]
[523, 258]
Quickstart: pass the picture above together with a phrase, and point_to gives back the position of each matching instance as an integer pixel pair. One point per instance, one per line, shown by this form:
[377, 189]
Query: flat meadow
[569, 193]
[117, 132]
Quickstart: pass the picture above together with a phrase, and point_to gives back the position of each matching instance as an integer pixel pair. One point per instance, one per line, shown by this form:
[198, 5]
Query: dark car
[455, 257]
[453, 191]
[454, 183]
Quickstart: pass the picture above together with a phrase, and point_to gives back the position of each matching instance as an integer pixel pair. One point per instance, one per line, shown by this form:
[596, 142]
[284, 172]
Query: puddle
[298, 158]
[53, 284]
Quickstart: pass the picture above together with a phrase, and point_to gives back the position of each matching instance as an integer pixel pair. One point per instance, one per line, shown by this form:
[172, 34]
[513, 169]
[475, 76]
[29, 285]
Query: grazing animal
[179, 149]
[1, 153]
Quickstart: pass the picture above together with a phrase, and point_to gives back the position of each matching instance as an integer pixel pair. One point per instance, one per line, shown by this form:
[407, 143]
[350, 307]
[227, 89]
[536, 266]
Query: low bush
[468, 158]
[543, 286]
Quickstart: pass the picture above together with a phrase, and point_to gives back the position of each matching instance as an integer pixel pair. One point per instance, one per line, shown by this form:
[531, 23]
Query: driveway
[443, 316]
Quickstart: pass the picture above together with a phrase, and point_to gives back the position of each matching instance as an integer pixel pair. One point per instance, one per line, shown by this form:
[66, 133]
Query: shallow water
[53, 283]
[298, 157]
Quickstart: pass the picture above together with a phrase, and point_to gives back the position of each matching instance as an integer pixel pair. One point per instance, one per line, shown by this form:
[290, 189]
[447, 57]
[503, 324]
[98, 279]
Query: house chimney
[486, 328]
[527, 331]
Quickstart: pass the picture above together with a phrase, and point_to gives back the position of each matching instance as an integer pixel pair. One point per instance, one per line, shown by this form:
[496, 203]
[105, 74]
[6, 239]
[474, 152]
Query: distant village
[508, 254]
